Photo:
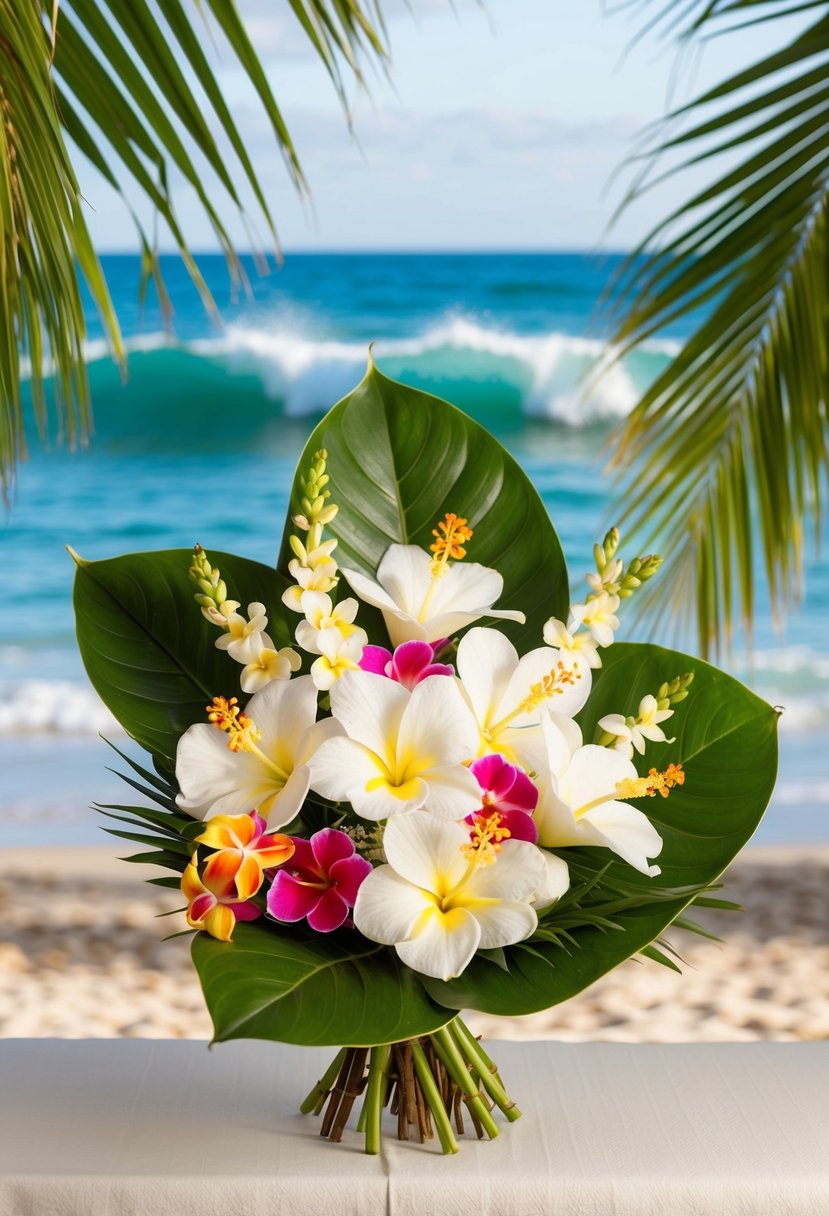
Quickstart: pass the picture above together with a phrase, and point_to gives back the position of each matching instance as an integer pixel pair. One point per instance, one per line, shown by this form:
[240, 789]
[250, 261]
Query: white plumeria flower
[269, 665]
[609, 576]
[632, 734]
[245, 638]
[318, 572]
[507, 694]
[438, 900]
[268, 772]
[418, 604]
[580, 803]
[337, 656]
[401, 750]
[568, 637]
[321, 615]
[598, 615]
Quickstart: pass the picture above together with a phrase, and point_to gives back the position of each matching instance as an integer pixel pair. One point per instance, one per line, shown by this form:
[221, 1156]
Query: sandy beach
[81, 956]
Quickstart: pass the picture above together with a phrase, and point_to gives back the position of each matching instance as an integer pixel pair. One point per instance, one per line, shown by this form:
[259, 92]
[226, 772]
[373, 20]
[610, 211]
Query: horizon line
[339, 251]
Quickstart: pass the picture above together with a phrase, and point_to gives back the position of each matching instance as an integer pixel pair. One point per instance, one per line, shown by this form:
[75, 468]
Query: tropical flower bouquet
[409, 777]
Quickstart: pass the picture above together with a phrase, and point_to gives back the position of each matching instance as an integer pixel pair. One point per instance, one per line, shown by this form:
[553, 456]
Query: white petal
[315, 736]
[370, 708]
[436, 728]
[444, 943]
[615, 724]
[628, 832]
[283, 711]
[368, 590]
[306, 636]
[405, 571]
[387, 906]
[285, 804]
[554, 819]
[426, 850]
[214, 780]
[515, 874]
[557, 745]
[486, 661]
[503, 922]
[570, 729]
[453, 792]
[339, 766]
[594, 772]
[556, 881]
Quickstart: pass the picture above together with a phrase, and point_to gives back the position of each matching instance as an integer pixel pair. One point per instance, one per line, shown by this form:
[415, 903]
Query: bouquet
[402, 775]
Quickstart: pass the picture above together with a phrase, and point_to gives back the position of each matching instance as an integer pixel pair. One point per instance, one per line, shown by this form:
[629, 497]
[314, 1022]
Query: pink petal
[486, 770]
[375, 659]
[289, 900]
[261, 827]
[409, 661]
[520, 826]
[303, 859]
[522, 794]
[247, 911]
[329, 913]
[201, 905]
[330, 846]
[348, 875]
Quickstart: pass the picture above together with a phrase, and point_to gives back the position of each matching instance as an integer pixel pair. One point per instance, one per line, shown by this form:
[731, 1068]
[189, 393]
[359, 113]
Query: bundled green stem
[425, 1083]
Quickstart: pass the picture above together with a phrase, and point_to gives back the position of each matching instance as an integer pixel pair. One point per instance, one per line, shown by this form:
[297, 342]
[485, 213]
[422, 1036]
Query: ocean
[201, 442]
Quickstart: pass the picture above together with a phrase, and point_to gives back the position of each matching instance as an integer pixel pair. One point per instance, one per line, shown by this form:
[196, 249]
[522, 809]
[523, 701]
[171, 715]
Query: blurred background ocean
[201, 443]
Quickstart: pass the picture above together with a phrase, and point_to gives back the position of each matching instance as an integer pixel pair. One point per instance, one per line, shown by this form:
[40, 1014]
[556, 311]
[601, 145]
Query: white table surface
[165, 1128]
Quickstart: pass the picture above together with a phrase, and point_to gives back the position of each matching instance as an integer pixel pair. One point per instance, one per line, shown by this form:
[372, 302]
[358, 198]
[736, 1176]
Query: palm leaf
[725, 457]
[112, 82]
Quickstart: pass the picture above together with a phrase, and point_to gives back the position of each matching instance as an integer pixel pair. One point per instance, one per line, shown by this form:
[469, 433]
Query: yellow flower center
[640, 787]
[242, 734]
[487, 834]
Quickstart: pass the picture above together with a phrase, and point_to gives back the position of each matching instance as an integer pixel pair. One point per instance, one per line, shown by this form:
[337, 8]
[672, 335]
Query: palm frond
[127, 85]
[725, 458]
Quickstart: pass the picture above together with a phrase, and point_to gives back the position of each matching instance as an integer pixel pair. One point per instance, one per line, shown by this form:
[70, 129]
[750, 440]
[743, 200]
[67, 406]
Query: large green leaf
[399, 459]
[727, 741]
[274, 983]
[147, 649]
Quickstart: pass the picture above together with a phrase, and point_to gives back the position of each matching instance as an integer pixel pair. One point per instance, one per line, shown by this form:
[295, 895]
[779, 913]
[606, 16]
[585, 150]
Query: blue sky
[501, 128]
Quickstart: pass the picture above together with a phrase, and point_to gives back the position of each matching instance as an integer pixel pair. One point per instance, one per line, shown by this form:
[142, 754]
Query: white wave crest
[34, 707]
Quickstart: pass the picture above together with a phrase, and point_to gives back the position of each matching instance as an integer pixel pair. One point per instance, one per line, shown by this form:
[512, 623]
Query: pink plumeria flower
[508, 791]
[410, 663]
[320, 882]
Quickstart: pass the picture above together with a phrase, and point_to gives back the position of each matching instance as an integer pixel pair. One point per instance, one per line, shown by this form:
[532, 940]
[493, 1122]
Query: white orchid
[441, 897]
[244, 639]
[422, 600]
[321, 615]
[581, 794]
[599, 616]
[401, 750]
[269, 665]
[338, 655]
[633, 732]
[570, 637]
[507, 694]
[258, 760]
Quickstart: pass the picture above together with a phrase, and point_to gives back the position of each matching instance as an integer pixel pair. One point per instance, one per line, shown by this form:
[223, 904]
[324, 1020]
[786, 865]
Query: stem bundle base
[430, 1086]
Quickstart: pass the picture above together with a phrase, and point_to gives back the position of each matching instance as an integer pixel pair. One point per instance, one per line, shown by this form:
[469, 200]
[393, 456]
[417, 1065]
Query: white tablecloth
[146, 1128]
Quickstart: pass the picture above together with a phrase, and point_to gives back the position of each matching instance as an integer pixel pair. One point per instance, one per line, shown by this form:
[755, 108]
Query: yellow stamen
[242, 734]
[556, 680]
[655, 783]
[451, 535]
[487, 835]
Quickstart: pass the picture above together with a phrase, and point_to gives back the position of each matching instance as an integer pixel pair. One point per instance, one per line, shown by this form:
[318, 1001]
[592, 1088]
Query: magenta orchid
[508, 791]
[410, 663]
[321, 881]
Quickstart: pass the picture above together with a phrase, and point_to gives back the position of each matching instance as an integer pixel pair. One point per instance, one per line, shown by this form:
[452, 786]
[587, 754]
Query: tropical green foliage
[112, 80]
[725, 457]
[399, 459]
[396, 458]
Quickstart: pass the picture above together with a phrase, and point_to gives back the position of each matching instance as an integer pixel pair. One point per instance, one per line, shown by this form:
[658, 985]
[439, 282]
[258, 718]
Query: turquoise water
[507, 337]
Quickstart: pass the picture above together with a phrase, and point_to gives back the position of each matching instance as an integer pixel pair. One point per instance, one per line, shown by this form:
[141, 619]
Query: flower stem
[485, 1070]
[375, 1094]
[447, 1049]
[430, 1091]
[316, 1098]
